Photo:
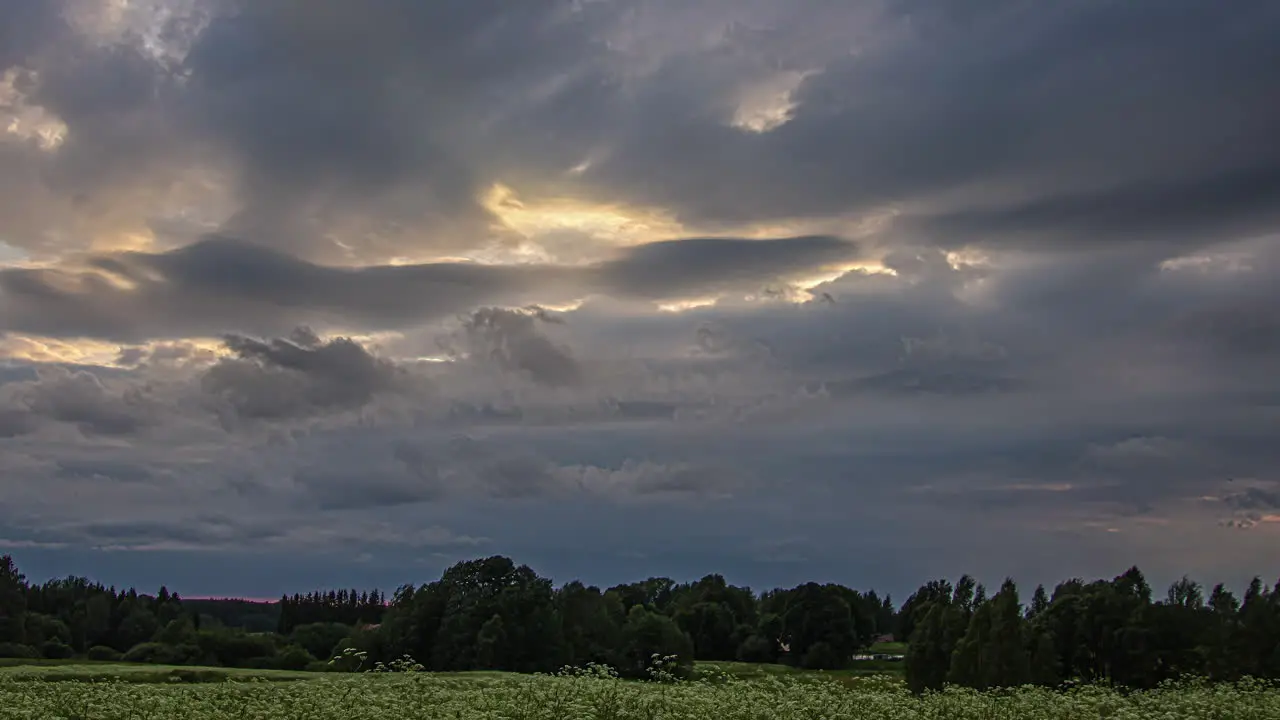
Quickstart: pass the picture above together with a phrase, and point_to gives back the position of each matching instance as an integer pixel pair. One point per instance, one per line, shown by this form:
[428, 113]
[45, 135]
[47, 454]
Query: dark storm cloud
[15, 422]
[1070, 381]
[143, 532]
[359, 487]
[203, 531]
[118, 471]
[361, 470]
[221, 267]
[329, 69]
[1004, 122]
[219, 285]
[24, 28]
[174, 352]
[391, 468]
[1255, 499]
[1246, 329]
[712, 265]
[412, 89]
[301, 375]
[1199, 211]
[78, 398]
[1146, 119]
[513, 340]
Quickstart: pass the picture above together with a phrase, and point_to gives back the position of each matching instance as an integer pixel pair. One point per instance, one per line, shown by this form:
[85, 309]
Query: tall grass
[596, 695]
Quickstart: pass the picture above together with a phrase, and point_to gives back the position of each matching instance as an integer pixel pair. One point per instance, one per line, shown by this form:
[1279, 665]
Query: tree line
[492, 614]
[1098, 632]
[75, 617]
[64, 616]
[347, 607]
[481, 614]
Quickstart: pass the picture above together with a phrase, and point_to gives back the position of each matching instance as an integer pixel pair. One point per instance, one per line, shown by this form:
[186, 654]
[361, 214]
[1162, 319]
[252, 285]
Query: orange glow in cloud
[609, 224]
[52, 350]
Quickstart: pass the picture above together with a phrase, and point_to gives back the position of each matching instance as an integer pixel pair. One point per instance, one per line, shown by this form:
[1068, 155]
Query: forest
[492, 614]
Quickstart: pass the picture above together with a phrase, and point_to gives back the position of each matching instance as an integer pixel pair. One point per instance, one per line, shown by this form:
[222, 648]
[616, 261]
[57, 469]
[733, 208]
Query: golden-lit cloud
[593, 227]
[85, 351]
[572, 231]
[683, 305]
[24, 121]
[125, 241]
[53, 350]
[811, 281]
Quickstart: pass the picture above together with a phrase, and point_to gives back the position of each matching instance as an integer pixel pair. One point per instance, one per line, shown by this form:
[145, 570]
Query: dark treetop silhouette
[493, 614]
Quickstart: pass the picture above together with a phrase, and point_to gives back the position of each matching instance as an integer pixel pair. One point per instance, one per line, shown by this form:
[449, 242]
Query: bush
[237, 649]
[821, 656]
[55, 650]
[15, 650]
[294, 658]
[757, 649]
[154, 653]
[103, 653]
[648, 635]
[320, 639]
[177, 632]
[40, 627]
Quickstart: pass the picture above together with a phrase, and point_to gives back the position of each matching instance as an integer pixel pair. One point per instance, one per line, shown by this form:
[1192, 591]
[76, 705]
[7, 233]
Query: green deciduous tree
[810, 614]
[491, 644]
[931, 646]
[970, 660]
[1045, 669]
[648, 634]
[591, 624]
[1007, 661]
[320, 639]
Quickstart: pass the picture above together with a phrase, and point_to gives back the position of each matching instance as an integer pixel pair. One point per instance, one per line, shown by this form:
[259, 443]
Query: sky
[296, 295]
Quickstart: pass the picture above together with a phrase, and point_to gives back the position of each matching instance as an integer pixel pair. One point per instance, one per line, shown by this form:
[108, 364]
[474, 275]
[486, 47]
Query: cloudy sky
[302, 293]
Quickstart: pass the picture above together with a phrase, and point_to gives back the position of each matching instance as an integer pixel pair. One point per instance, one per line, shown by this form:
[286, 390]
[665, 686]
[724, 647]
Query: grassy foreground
[86, 671]
[420, 695]
[757, 671]
[89, 670]
[139, 673]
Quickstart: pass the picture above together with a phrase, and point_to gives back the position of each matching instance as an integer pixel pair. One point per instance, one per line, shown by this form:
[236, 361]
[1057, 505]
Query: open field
[88, 670]
[888, 648]
[413, 695]
[756, 671]
[84, 670]
[135, 673]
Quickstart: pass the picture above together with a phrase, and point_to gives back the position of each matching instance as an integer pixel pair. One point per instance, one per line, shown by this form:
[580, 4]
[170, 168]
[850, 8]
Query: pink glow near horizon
[219, 597]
